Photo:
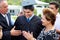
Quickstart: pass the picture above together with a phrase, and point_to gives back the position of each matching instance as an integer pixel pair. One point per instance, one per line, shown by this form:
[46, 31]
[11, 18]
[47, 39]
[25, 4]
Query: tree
[14, 2]
[48, 1]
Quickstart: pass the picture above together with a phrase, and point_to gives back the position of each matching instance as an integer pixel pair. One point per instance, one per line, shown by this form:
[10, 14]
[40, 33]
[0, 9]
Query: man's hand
[15, 32]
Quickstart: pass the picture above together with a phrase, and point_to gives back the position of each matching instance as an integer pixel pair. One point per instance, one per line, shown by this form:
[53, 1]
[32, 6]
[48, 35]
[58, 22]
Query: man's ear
[57, 9]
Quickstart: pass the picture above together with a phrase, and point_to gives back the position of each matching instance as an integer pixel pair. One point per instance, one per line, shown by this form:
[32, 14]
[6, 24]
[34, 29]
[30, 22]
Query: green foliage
[35, 11]
[18, 2]
[14, 17]
[47, 0]
[14, 2]
[39, 15]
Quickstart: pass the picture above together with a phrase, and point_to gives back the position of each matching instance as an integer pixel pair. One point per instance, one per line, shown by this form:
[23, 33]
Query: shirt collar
[57, 14]
[3, 15]
[31, 17]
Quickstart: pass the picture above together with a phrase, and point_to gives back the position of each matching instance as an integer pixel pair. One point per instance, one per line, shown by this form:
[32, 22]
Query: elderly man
[5, 22]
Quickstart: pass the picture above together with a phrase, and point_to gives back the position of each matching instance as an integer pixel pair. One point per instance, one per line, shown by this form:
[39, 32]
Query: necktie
[28, 19]
[7, 19]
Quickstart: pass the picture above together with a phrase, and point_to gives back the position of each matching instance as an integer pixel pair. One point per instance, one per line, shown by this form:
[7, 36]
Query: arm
[6, 35]
[17, 24]
[14, 32]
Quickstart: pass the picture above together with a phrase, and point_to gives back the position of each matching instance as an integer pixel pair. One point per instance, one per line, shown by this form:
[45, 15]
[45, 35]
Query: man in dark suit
[29, 22]
[5, 22]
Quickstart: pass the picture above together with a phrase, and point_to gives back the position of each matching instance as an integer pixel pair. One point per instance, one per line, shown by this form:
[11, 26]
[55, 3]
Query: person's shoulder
[53, 34]
[19, 17]
[37, 17]
[58, 14]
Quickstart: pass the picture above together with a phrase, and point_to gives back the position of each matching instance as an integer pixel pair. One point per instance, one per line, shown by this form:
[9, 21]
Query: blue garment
[28, 19]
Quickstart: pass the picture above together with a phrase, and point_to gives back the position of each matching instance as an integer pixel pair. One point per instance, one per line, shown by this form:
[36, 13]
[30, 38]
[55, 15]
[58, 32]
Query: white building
[13, 9]
[39, 6]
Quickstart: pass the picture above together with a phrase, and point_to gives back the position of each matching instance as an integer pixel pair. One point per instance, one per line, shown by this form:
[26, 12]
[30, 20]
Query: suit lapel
[9, 19]
[32, 18]
[3, 19]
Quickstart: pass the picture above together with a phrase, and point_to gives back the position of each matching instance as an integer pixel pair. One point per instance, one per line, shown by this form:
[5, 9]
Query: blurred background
[15, 7]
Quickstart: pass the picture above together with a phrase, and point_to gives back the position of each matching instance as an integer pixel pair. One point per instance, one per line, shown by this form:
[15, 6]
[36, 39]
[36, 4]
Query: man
[55, 7]
[5, 22]
[28, 22]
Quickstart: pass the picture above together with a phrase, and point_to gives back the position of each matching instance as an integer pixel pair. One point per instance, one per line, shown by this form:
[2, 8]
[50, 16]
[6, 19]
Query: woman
[48, 33]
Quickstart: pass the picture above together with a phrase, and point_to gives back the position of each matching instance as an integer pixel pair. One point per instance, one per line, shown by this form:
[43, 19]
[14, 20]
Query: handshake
[14, 32]
[28, 35]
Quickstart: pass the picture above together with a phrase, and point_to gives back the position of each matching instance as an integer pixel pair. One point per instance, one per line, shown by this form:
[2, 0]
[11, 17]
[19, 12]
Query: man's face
[4, 7]
[53, 8]
[28, 13]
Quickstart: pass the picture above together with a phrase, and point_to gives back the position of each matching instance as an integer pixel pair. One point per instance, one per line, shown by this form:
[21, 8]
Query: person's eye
[51, 8]
[28, 12]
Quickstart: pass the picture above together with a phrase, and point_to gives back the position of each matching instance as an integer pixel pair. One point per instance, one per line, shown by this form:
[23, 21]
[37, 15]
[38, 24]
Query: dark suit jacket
[35, 26]
[6, 29]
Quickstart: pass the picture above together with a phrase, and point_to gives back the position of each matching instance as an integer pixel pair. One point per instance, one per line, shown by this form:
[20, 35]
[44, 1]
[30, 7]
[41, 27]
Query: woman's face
[44, 21]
